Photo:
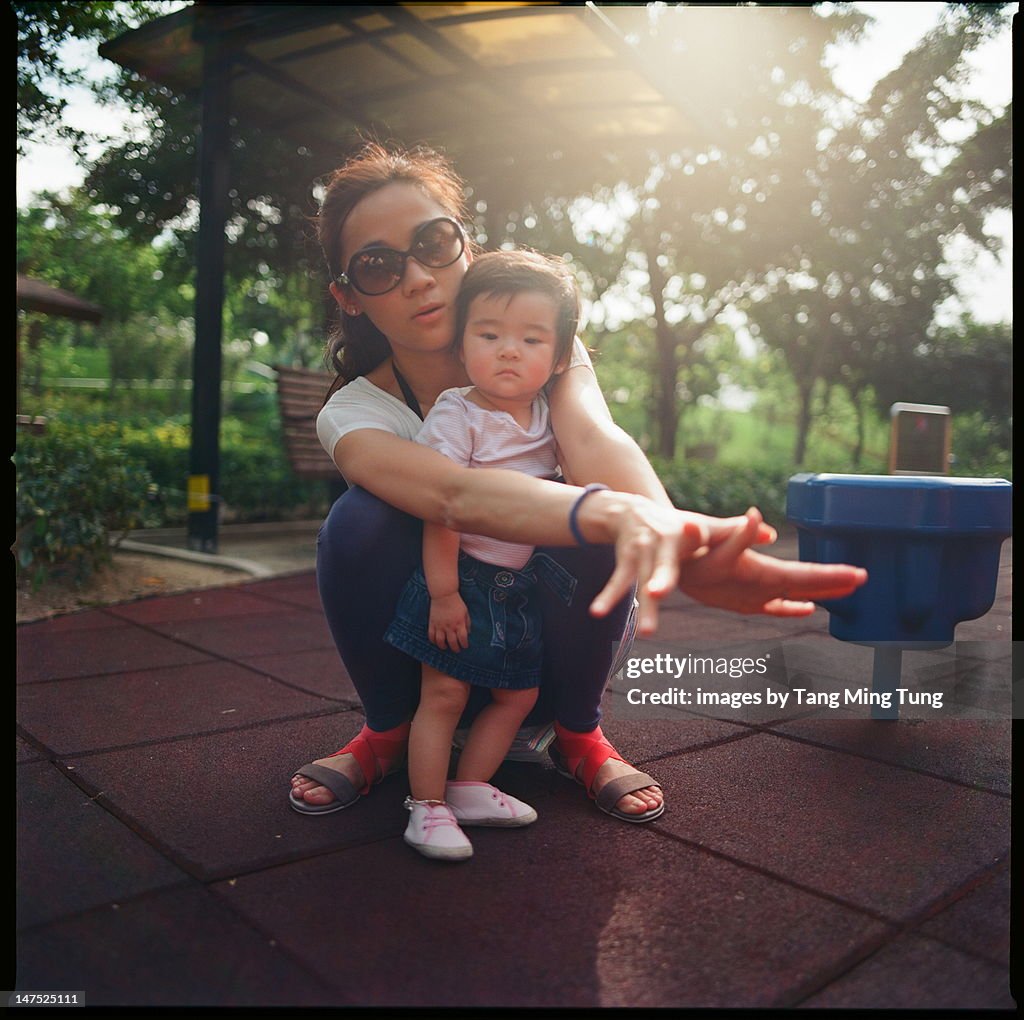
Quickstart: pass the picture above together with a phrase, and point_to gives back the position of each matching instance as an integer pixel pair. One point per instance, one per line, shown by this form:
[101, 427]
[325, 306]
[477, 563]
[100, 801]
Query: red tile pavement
[802, 861]
[93, 651]
[125, 709]
[317, 671]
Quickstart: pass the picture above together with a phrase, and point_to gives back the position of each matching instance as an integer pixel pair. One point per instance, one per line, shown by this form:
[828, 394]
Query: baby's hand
[448, 626]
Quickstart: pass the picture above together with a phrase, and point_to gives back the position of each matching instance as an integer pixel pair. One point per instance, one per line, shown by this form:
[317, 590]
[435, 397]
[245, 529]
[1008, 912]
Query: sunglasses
[376, 270]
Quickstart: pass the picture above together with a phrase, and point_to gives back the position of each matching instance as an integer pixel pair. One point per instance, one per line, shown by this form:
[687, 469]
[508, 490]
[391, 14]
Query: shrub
[256, 480]
[724, 490]
[73, 491]
[982, 446]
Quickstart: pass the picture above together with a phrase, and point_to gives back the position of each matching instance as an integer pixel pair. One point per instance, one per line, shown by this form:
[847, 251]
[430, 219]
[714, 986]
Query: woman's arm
[412, 477]
[593, 447]
[650, 537]
[651, 540]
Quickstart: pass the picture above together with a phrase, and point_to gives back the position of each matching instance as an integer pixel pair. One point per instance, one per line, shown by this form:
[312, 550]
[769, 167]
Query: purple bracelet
[574, 524]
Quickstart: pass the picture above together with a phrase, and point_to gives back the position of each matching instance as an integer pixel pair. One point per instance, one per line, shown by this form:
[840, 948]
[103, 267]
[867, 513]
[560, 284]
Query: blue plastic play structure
[930, 546]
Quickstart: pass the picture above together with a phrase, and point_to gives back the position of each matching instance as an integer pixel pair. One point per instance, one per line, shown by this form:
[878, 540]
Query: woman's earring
[348, 307]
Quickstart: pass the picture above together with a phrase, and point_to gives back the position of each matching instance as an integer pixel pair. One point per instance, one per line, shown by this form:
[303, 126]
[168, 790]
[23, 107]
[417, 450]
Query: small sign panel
[920, 440]
[198, 493]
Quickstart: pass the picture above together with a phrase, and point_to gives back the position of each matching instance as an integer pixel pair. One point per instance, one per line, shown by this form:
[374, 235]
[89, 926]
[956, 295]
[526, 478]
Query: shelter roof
[36, 296]
[529, 94]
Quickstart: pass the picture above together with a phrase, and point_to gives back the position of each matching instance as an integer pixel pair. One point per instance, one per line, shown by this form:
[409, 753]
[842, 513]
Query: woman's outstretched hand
[711, 559]
[651, 543]
[733, 576]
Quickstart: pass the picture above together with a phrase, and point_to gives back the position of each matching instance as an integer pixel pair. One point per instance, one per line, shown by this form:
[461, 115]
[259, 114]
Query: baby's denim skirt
[504, 622]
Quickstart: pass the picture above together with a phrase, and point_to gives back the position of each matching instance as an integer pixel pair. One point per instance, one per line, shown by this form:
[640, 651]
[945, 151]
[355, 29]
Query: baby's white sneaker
[434, 831]
[475, 803]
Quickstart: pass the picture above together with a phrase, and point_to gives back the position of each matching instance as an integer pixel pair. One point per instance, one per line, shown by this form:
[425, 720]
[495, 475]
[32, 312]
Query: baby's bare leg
[492, 733]
[442, 700]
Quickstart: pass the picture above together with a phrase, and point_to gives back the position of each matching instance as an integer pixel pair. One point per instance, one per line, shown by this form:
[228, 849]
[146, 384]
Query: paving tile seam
[284, 860]
[133, 825]
[271, 938]
[942, 903]
[210, 657]
[300, 963]
[893, 929]
[947, 899]
[192, 869]
[58, 756]
[773, 876]
[817, 990]
[693, 748]
[291, 685]
[34, 743]
[240, 614]
[910, 927]
[974, 787]
[291, 603]
[150, 629]
[835, 971]
[975, 954]
[40, 927]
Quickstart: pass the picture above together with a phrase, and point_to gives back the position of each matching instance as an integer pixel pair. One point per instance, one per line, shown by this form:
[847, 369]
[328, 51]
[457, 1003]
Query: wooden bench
[300, 395]
[27, 423]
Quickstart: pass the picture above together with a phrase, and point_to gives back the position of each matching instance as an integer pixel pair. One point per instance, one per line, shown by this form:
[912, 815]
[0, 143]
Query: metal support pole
[204, 460]
[885, 678]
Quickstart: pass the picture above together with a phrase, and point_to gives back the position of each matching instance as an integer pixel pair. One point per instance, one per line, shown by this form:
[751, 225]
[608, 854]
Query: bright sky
[987, 285]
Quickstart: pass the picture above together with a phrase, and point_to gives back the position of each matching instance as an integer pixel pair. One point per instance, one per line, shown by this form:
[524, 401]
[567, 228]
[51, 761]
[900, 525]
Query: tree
[701, 224]
[42, 29]
[860, 291]
[274, 265]
[765, 200]
[966, 366]
[71, 243]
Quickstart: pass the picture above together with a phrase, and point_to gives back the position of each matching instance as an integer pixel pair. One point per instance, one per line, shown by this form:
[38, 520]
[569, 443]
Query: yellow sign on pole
[198, 493]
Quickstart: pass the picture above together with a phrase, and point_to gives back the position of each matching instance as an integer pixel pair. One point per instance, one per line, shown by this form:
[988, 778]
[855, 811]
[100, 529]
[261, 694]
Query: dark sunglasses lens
[375, 272]
[438, 244]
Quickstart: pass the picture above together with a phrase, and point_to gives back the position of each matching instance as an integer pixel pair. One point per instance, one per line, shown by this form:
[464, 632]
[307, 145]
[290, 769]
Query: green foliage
[42, 75]
[74, 244]
[980, 449]
[724, 489]
[256, 480]
[967, 366]
[857, 294]
[149, 347]
[73, 490]
[150, 186]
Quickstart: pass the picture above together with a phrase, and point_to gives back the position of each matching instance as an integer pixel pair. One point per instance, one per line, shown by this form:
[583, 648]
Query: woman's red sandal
[374, 752]
[593, 750]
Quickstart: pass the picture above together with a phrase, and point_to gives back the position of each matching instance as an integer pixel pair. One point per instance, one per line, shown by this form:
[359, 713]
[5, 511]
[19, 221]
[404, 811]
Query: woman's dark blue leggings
[367, 550]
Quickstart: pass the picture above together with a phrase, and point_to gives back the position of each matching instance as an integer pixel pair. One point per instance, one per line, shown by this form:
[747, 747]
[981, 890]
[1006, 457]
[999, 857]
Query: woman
[390, 228]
